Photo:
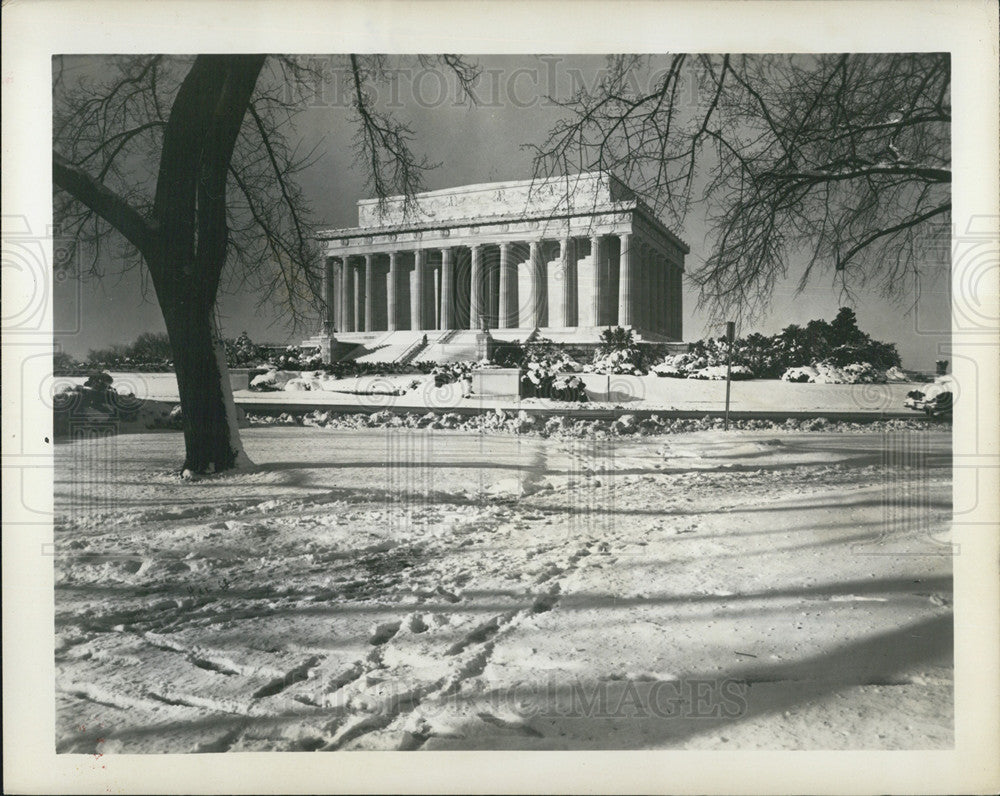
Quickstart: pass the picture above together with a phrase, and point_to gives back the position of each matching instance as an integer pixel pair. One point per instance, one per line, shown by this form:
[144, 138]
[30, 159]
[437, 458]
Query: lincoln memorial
[562, 258]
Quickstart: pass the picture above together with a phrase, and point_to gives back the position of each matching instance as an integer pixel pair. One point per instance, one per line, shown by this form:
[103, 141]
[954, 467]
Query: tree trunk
[184, 243]
[211, 434]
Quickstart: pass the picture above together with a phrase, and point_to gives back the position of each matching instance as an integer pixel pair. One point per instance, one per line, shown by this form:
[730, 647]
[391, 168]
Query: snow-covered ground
[405, 589]
[630, 392]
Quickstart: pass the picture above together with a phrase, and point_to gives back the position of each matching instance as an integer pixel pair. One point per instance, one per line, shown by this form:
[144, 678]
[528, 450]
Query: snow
[413, 392]
[415, 589]
[825, 373]
[267, 379]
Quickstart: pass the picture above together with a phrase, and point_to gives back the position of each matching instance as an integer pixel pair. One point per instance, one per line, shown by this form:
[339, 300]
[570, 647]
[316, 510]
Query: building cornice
[498, 225]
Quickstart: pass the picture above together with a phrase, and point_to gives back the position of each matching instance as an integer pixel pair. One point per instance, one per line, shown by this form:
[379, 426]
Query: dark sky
[475, 144]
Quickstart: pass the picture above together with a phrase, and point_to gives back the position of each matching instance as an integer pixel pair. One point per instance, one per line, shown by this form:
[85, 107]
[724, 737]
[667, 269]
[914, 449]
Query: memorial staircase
[455, 345]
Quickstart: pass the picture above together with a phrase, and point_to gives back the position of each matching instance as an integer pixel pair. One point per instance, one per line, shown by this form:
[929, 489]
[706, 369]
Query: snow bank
[718, 372]
[521, 422]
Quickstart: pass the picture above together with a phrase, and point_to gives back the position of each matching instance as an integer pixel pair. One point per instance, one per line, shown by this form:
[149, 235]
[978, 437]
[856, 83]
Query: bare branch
[103, 201]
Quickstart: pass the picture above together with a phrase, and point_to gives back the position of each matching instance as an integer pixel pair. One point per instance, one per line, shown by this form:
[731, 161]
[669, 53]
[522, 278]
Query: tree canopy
[841, 162]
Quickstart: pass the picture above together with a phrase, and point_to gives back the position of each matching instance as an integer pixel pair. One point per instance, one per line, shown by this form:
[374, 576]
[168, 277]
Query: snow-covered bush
[625, 362]
[828, 373]
[670, 368]
[265, 381]
[792, 354]
[243, 352]
[802, 375]
[617, 354]
[296, 358]
[448, 374]
[568, 387]
[547, 372]
[935, 400]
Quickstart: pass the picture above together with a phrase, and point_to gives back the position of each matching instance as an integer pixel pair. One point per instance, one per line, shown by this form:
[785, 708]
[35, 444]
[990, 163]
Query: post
[730, 336]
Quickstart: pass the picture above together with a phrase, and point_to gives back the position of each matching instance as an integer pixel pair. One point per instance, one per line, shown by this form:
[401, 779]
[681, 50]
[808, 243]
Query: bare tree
[840, 160]
[190, 165]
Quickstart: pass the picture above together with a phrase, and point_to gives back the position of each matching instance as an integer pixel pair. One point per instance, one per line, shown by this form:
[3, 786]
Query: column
[492, 269]
[566, 294]
[508, 283]
[600, 280]
[391, 290]
[328, 296]
[668, 296]
[417, 296]
[649, 285]
[625, 280]
[476, 287]
[538, 287]
[679, 299]
[436, 315]
[447, 290]
[574, 275]
[347, 294]
[359, 298]
[672, 318]
[640, 293]
[662, 294]
[369, 293]
[674, 301]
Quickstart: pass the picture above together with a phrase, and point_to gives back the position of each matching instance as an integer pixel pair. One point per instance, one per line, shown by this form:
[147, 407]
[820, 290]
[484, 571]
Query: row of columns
[596, 281]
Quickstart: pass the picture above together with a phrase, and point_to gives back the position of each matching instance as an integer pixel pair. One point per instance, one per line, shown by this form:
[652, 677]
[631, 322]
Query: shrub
[837, 345]
[448, 374]
[297, 358]
[616, 338]
[618, 353]
[149, 352]
[243, 352]
[548, 372]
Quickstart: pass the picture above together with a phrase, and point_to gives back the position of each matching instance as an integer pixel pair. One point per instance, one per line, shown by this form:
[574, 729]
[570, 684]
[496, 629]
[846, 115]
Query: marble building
[566, 256]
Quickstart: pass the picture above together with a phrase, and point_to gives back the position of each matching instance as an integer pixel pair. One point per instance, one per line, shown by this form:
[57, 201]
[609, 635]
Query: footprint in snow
[383, 632]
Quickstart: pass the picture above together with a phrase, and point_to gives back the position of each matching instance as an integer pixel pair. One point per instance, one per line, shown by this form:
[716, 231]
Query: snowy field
[629, 392]
[418, 589]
